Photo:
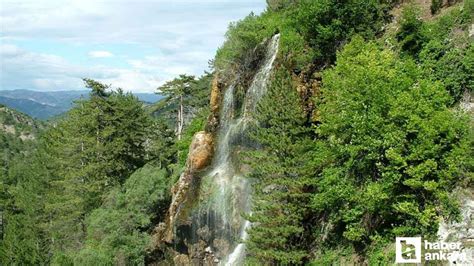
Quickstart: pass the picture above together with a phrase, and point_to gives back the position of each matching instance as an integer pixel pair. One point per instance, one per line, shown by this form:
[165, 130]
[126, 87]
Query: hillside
[18, 132]
[343, 116]
[325, 131]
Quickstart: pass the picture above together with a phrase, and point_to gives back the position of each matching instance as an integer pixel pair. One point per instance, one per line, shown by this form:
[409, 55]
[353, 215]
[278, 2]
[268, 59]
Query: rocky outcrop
[461, 231]
[200, 155]
[215, 95]
[203, 226]
[200, 151]
[181, 260]
[216, 92]
[308, 85]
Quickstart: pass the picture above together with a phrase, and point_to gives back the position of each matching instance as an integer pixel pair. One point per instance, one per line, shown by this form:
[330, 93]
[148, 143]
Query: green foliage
[117, 232]
[381, 161]
[98, 144]
[186, 97]
[23, 216]
[436, 6]
[17, 136]
[311, 31]
[450, 65]
[381, 251]
[196, 125]
[394, 149]
[178, 87]
[93, 257]
[340, 256]
[442, 47]
[410, 35]
[280, 195]
[241, 39]
[21, 185]
[275, 5]
[62, 259]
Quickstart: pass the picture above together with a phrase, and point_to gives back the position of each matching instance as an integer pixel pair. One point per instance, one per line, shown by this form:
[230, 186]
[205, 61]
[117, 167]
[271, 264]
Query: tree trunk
[180, 118]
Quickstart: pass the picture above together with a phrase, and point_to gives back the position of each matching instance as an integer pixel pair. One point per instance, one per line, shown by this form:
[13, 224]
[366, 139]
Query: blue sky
[49, 45]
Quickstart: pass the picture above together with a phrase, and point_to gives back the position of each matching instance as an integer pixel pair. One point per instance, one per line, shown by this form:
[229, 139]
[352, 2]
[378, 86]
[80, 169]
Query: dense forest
[365, 133]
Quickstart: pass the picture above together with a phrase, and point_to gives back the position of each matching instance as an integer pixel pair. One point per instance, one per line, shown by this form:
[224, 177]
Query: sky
[50, 45]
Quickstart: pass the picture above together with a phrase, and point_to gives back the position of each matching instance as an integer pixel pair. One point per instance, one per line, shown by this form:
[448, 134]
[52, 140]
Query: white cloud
[100, 54]
[164, 38]
[27, 70]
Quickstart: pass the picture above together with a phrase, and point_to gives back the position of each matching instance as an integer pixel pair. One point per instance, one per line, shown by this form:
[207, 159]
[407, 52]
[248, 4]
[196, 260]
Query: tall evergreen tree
[177, 91]
[281, 193]
[96, 147]
[24, 237]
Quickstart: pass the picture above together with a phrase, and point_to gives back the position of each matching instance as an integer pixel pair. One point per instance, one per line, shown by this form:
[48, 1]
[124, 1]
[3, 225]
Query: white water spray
[255, 92]
[217, 221]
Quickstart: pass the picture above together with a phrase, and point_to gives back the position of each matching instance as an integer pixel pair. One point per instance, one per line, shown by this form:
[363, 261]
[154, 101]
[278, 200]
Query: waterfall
[217, 221]
[255, 92]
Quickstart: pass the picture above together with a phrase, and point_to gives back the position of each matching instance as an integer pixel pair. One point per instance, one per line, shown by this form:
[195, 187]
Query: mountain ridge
[45, 105]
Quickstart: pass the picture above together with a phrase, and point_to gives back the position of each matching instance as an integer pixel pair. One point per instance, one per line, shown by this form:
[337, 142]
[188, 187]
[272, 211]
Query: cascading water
[217, 222]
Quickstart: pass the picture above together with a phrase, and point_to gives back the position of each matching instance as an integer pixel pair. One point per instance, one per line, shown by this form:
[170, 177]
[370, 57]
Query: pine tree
[24, 238]
[177, 91]
[97, 146]
[282, 182]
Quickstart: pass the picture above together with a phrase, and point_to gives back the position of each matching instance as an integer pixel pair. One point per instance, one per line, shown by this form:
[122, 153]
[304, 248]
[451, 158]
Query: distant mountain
[44, 105]
[33, 108]
[149, 97]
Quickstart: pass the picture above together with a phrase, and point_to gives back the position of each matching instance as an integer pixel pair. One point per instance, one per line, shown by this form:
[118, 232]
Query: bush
[88, 257]
[310, 30]
[241, 39]
[436, 6]
[117, 232]
[410, 35]
[393, 148]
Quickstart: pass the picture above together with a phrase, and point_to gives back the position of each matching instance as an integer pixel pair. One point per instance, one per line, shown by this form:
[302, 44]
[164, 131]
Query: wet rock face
[183, 192]
[204, 222]
[200, 151]
[216, 93]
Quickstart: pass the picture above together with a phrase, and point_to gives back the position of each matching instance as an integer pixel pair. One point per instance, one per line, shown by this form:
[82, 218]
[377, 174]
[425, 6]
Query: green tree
[97, 146]
[436, 6]
[24, 238]
[281, 192]
[177, 91]
[393, 150]
[410, 35]
[117, 232]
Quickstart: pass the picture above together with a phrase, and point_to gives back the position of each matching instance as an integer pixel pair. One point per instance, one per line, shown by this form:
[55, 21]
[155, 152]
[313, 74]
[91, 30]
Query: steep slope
[17, 133]
[343, 198]
[206, 220]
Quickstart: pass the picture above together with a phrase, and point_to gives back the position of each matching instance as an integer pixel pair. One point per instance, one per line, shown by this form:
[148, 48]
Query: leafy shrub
[410, 36]
[310, 30]
[394, 149]
[436, 6]
[117, 232]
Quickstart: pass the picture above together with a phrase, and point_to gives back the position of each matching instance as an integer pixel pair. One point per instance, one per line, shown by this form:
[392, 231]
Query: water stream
[225, 193]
